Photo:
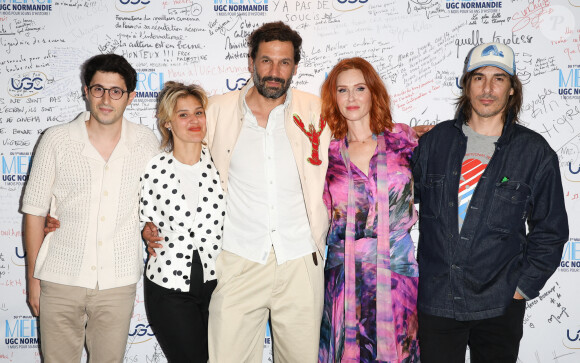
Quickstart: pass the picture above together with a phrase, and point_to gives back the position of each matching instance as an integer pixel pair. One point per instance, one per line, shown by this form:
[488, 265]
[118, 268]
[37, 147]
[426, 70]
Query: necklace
[361, 141]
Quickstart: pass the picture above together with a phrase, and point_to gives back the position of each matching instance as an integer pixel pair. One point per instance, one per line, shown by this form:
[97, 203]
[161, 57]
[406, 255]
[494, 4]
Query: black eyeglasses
[98, 91]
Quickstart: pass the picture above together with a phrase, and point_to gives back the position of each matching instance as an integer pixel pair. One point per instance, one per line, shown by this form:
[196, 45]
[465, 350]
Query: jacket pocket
[507, 212]
[431, 196]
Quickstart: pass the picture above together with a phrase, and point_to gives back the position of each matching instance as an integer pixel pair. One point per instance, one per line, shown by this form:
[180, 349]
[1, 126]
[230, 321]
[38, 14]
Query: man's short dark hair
[275, 31]
[112, 63]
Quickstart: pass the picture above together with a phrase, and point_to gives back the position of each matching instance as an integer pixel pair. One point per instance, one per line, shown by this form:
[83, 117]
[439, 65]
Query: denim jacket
[473, 274]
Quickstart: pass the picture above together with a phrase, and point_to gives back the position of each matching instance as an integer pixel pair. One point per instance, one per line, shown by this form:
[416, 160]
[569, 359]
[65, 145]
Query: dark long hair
[513, 106]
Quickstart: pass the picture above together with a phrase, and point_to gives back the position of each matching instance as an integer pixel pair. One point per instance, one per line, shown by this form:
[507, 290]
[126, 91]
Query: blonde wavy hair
[166, 103]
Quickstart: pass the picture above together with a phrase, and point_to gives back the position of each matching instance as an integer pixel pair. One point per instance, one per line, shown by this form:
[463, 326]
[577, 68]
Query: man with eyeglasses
[82, 277]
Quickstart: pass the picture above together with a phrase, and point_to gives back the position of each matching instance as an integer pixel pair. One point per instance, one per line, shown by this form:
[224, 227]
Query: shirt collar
[78, 132]
[246, 109]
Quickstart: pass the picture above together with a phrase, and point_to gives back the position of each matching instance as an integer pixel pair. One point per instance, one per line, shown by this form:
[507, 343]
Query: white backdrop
[417, 46]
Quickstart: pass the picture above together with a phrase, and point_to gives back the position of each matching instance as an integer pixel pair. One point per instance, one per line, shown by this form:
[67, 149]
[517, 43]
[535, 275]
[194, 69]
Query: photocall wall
[417, 46]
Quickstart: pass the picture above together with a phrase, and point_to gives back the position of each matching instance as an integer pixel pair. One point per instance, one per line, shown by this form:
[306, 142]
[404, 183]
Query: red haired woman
[371, 275]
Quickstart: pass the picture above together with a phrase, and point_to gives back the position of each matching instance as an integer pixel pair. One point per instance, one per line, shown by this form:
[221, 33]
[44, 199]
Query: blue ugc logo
[129, 6]
[348, 5]
[239, 83]
[572, 340]
[27, 84]
[141, 330]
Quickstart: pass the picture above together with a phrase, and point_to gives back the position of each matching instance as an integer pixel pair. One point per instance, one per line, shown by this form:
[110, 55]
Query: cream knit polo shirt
[96, 202]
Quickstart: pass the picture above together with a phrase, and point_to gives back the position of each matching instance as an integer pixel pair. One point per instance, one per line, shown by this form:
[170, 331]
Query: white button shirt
[265, 204]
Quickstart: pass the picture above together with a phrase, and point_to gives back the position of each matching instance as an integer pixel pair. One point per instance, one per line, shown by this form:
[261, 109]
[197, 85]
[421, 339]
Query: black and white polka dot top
[163, 202]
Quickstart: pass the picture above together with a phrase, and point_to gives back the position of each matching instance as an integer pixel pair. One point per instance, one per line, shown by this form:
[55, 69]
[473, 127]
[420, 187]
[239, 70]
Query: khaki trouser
[71, 316]
[291, 295]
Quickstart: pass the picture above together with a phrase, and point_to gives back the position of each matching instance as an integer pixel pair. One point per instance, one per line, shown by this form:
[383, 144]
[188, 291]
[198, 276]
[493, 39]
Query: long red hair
[380, 113]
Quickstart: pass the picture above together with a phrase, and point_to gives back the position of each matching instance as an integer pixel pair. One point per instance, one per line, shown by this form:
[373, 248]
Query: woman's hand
[422, 129]
[151, 237]
[51, 224]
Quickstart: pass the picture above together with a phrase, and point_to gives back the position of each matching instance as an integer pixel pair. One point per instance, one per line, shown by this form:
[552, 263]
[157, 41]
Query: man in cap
[481, 179]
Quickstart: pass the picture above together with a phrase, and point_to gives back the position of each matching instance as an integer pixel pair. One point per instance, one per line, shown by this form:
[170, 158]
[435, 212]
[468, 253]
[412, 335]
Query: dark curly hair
[112, 63]
[275, 31]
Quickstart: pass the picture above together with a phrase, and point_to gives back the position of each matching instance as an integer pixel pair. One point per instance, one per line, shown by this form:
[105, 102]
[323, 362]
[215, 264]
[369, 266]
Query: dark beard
[273, 93]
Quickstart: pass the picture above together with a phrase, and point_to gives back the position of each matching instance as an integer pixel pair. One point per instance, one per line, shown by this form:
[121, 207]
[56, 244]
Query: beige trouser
[69, 314]
[248, 293]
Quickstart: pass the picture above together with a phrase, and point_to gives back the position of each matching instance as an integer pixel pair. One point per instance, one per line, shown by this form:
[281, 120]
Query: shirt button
[451, 204]
[106, 193]
[102, 218]
[93, 268]
[100, 243]
[455, 172]
[106, 167]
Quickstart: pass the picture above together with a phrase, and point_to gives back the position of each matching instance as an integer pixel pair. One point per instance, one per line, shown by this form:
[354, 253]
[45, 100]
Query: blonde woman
[181, 195]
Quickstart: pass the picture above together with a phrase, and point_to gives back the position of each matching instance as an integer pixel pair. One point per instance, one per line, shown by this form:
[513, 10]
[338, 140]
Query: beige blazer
[224, 121]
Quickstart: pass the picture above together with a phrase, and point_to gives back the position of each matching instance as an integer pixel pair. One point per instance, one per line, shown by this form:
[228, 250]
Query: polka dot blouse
[163, 202]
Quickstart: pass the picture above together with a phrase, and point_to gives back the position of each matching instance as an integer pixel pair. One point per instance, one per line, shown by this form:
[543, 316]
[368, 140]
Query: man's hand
[422, 129]
[51, 224]
[518, 296]
[151, 237]
[34, 295]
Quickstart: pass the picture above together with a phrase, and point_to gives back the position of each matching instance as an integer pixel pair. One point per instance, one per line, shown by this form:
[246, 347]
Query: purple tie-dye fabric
[339, 334]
